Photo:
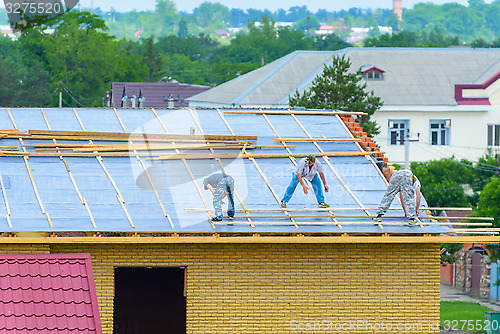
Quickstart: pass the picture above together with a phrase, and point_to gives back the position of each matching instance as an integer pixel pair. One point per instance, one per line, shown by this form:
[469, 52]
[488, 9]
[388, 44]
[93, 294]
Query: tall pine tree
[338, 89]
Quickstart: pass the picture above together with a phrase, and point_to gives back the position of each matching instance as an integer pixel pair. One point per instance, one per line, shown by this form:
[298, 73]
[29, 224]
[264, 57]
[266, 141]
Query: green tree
[212, 14]
[25, 82]
[340, 89]
[330, 42]
[443, 180]
[427, 38]
[309, 24]
[153, 60]
[448, 256]
[489, 201]
[164, 6]
[183, 28]
[82, 57]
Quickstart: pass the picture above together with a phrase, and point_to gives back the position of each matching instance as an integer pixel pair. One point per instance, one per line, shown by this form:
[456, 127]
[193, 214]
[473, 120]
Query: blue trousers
[225, 187]
[316, 184]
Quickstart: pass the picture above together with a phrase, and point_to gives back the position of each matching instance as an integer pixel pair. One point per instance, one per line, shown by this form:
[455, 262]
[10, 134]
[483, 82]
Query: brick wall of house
[261, 288]
[24, 249]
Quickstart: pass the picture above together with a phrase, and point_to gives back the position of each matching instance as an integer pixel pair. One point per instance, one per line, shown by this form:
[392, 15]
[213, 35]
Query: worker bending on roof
[308, 168]
[407, 184]
[221, 185]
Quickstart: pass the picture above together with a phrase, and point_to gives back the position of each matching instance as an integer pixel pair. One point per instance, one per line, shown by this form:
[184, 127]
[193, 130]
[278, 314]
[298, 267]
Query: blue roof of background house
[58, 183]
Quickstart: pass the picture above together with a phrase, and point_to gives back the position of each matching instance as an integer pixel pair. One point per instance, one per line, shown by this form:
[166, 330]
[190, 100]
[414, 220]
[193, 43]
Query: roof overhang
[343, 239]
[477, 94]
[436, 108]
[372, 68]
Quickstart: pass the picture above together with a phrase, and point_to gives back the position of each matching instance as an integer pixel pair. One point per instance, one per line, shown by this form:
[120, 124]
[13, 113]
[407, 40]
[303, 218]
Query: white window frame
[397, 131]
[493, 135]
[442, 132]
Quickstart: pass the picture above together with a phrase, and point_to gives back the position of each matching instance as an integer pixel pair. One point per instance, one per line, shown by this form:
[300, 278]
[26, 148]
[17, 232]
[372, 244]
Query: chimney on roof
[397, 9]
[170, 102]
[133, 99]
[108, 98]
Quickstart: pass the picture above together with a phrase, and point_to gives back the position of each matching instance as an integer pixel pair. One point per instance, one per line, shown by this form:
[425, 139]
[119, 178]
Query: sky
[272, 5]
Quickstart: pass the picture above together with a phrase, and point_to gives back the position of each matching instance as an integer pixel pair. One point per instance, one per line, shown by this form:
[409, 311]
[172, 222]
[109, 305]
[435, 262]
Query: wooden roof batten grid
[35, 189]
[207, 145]
[146, 172]
[327, 161]
[295, 163]
[101, 163]
[193, 179]
[269, 186]
[82, 199]
[198, 125]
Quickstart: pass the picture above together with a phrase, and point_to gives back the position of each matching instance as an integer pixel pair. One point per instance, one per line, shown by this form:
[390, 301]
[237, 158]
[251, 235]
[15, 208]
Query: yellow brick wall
[256, 288]
[24, 249]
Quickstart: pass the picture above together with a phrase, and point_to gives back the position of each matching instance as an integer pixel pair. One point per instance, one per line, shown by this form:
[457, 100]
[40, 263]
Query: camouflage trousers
[401, 181]
[225, 187]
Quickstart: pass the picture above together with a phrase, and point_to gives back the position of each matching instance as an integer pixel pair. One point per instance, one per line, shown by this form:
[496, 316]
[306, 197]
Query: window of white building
[397, 130]
[493, 135]
[440, 131]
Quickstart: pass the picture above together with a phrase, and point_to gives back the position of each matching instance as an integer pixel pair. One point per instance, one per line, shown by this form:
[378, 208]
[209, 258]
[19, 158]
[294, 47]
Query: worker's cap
[310, 159]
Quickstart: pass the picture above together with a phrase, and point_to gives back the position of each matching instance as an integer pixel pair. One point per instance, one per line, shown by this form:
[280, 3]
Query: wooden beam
[132, 136]
[295, 163]
[171, 156]
[296, 112]
[434, 239]
[384, 218]
[318, 140]
[326, 209]
[223, 168]
[260, 172]
[327, 161]
[178, 155]
[188, 169]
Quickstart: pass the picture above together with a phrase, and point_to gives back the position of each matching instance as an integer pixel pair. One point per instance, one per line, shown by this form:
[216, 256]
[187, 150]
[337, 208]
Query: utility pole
[407, 141]
[407, 149]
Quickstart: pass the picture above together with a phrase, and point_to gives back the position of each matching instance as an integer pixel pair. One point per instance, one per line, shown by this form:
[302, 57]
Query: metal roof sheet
[49, 293]
[413, 76]
[90, 193]
[156, 94]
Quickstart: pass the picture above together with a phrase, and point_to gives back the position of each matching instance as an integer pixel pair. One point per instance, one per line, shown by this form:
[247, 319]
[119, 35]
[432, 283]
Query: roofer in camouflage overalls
[408, 186]
[221, 185]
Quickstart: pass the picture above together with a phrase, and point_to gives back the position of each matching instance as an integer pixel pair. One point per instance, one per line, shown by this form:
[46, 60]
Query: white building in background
[448, 100]
[6, 31]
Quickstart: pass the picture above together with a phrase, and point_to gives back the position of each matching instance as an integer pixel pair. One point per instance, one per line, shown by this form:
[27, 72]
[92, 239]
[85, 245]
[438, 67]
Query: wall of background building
[468, 134]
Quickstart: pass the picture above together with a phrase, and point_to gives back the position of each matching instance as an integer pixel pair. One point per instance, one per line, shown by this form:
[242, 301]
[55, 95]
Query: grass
[465, 316]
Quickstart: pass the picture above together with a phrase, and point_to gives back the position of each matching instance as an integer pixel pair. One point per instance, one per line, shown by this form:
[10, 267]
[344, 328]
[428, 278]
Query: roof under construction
[141, 170]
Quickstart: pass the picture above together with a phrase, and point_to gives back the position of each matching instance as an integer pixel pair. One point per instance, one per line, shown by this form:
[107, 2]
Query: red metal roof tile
[50, 293]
